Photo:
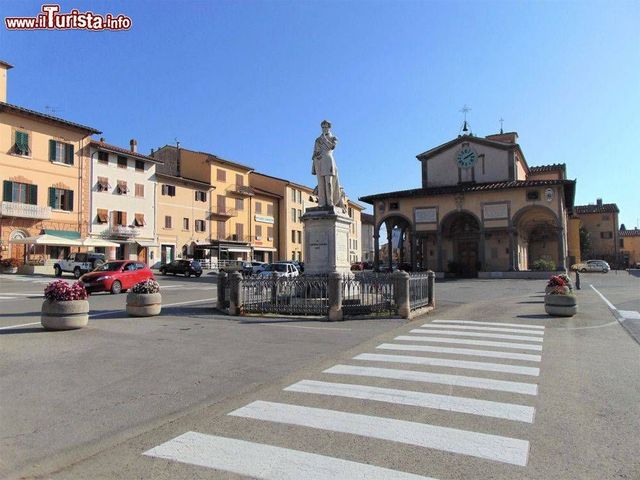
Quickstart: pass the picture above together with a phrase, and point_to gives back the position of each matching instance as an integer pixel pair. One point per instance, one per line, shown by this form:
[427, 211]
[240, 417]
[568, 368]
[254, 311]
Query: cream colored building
[123, 201]
[44, 165]
[366, 237]
[481, 208]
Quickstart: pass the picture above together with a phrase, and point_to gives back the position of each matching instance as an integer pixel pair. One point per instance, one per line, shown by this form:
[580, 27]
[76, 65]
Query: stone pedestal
[326, 241]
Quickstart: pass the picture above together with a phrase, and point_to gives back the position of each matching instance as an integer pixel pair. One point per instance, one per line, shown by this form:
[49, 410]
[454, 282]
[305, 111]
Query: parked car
[253, 267]
[78, 263]
[357, 266]
[115, 277]
[592, 266]
[182, 267]
[281, 269]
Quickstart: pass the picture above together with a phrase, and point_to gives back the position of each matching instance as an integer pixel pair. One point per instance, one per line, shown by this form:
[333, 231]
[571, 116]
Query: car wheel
[198, 275]
[57, 271]
[77, 273]
[163, 272]
[116, 287]
[583, 270]
[187, 274]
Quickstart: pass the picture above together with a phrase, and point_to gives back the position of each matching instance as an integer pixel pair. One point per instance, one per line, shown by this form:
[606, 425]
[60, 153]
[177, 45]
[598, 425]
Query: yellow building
[601, 221]
[630, 247]
[481, 208]
[44, 165]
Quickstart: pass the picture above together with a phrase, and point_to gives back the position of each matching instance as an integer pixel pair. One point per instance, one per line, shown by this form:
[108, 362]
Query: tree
[585, 243]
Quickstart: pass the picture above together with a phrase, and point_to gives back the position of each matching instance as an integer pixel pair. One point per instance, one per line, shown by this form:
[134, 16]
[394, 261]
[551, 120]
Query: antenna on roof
[465, 126]
[501, 122]
[52, 110]
[177, 142]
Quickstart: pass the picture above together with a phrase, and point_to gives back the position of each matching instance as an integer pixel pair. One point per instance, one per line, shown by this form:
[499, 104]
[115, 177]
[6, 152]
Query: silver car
[592, 266]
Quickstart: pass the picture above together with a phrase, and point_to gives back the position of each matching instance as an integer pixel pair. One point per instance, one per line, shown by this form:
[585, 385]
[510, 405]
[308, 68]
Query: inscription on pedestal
[341, 248]
[318, 248]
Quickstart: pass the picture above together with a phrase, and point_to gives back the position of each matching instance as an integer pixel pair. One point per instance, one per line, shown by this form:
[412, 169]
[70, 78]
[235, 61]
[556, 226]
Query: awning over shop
[238, 249]
[46, 239]
[62, 233]
[98, 242]
[265, 249]
[146, 243]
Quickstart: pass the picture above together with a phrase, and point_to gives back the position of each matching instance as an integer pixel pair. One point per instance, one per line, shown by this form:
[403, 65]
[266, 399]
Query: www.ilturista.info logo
[52, 19]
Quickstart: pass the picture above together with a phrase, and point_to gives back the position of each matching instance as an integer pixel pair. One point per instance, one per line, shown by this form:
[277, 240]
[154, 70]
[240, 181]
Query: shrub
[11, 263]
[61, 291]
[148, 286]
[543, 265]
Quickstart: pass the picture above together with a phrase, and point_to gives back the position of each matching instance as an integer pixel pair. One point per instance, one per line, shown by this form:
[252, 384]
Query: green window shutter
[69, 199]
[52, 197]
[32, 195]
[7, 193]
[52, 150]
[69, 154]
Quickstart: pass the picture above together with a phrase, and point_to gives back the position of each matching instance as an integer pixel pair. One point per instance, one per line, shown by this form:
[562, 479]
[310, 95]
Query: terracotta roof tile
[124, 151]
[604, 208]
[32, 113]
[630, 233]
[548, 168]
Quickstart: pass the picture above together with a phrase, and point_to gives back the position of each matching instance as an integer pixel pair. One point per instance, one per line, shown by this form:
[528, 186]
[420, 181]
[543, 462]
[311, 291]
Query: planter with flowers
[65, 307]
[10, 265]
[559, 299]
[144, 299]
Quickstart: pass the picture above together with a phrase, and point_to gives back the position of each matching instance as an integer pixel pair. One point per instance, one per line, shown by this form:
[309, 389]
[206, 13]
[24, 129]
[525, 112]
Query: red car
[115, 277]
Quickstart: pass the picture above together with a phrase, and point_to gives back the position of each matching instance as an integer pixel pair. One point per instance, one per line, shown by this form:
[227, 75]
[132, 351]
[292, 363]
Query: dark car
[183, 267]
[115, 277]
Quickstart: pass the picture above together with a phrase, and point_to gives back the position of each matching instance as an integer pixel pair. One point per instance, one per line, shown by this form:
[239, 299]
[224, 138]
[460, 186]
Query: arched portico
[540, 236]
[460, 242]
[406, 237]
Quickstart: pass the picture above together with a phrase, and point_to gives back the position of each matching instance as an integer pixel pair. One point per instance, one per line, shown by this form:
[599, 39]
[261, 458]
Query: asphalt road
[205, 395]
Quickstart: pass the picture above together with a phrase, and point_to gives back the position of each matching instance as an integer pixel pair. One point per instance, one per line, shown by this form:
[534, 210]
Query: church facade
[481, 208]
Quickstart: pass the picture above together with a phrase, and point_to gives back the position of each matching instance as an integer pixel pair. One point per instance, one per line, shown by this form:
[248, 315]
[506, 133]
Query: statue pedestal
[326, 241]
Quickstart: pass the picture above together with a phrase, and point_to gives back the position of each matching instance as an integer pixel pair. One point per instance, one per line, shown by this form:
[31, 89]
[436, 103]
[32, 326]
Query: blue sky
[251, 81]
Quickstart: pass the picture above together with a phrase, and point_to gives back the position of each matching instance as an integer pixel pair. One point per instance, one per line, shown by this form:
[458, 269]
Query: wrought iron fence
[419, 294]
[368, 294]
[303, 295]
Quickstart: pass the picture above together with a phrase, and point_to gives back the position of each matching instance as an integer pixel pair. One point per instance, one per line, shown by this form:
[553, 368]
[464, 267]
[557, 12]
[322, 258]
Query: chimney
[599, 202]
[134, 145]
[507, 137]
[102, 140]
[4, 68]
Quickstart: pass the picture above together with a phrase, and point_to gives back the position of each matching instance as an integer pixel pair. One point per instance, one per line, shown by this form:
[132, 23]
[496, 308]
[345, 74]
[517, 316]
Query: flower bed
[144, 299]
[65, 306]
[559, 299]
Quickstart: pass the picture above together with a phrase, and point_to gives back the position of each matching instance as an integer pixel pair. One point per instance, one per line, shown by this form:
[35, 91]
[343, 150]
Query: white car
[280, 269]
[592, 266]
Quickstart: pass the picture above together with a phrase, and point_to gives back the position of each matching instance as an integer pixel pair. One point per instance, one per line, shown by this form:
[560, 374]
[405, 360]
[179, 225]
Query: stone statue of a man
[324, 166]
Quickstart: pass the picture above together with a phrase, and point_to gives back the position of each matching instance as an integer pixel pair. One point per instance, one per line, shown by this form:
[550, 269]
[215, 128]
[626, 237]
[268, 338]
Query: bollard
[222, 282]
[401, 293]
[235, 300]
[334, 292]
[577, 280]
[431, 285]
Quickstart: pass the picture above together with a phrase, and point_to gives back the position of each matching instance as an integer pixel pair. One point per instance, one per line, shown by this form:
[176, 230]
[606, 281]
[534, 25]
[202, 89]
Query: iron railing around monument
[303, 295]
[420, 294]
[368, 294]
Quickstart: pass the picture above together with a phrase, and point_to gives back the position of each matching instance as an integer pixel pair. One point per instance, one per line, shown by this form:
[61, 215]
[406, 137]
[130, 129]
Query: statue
[324, 166]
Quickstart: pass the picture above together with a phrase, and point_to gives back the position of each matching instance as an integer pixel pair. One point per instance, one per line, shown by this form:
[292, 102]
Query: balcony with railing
[233, 237]
[24, 210]
[242, 190]
[224, 212]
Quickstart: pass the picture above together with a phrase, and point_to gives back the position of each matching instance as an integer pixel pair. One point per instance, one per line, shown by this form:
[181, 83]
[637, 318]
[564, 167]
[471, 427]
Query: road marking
[443, 362]
[485, 329]
[439, 378]
[509, 411]
[7, 298]
[33, 294]
[475, 334]
[297, 326]
[460, 351]
[609, 304]
[472, 322]
[21, 325]
[168, 305]
[267, 462]
[482, 445]
[464, 341]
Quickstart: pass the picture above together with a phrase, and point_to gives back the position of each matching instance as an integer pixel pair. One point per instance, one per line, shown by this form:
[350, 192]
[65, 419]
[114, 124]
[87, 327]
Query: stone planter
[561, 305]
[144, 304]
[64, 315]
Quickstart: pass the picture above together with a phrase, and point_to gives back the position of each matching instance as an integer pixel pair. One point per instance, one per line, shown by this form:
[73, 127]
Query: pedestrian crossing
[450, 371]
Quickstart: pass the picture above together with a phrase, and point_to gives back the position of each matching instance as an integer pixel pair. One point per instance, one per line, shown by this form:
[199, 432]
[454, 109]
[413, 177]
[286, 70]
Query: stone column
[235, 294]
[561, 257]
[512, 252]
[401, 253]
[222, 279]
[439, 251]
[482, 250]
[413, 243]
[401, 293]
[376, 250]
[390, 247]
[334, 292]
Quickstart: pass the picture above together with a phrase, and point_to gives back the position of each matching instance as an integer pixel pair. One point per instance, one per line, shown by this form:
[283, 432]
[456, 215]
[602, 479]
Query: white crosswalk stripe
[486, 329]
[354, 384]
[267, 462]
[464, 341]
[444, 362]
[475, 334]
[460, 351]
[472, 322]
